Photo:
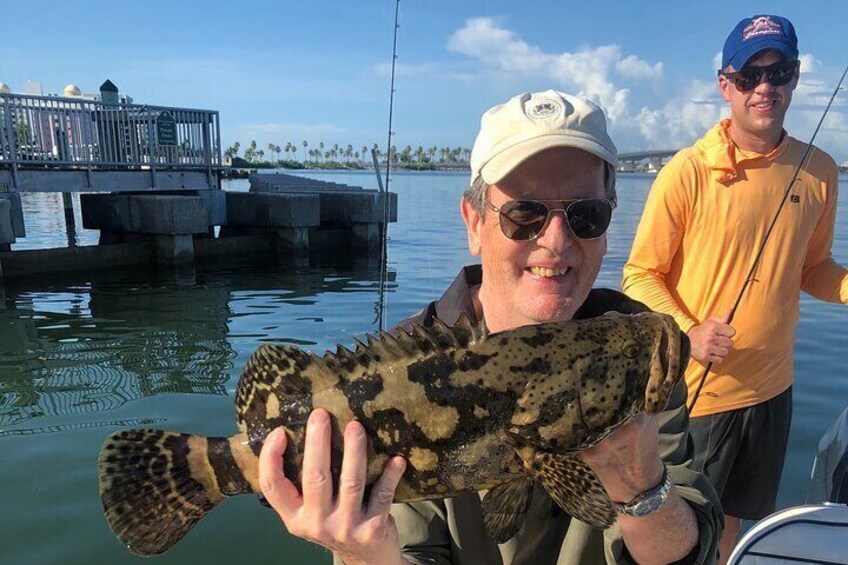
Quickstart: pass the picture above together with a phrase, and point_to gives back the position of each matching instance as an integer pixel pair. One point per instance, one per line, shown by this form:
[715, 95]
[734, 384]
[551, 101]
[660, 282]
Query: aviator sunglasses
[777, 74]
[524, 220]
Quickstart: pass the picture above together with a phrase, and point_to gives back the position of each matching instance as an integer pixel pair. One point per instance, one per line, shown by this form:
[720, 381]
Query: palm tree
[406, 154]
[232, 150]
[250, 152]
[420, 156]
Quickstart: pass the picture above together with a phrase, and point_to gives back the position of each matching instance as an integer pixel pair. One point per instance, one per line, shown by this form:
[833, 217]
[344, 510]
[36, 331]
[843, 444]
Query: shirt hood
[724, 159]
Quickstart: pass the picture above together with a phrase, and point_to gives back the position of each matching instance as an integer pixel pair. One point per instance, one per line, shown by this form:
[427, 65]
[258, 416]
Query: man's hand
[627, 462]
[710, 340]
[357, 534]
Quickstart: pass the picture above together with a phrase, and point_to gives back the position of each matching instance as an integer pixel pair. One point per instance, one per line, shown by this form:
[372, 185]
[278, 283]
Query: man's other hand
[357, 530]
[711, 340]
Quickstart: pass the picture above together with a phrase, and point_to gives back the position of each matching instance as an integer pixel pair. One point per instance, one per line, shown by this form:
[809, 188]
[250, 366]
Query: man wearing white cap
[546, 158]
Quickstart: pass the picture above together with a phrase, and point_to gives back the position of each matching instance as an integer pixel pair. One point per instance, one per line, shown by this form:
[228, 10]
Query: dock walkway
[151, 183]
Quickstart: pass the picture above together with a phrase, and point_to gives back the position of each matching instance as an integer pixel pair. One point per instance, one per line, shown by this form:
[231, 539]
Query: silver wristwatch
[649, 501]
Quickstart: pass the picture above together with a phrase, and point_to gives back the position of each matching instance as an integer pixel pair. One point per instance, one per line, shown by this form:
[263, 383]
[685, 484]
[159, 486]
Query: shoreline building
[56, 127]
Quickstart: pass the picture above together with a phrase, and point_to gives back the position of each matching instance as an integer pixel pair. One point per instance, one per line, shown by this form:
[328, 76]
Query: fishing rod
[384, 259]
[748, 279]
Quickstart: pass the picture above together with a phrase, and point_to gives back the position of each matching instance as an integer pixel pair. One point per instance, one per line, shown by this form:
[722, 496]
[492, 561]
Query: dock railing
[47, 132]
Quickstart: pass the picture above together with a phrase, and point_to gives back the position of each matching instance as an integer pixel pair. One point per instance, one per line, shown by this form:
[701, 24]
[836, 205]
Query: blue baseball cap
[752, 35]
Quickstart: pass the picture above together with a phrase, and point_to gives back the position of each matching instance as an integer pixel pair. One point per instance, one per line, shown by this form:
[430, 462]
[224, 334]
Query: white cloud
[810, 98]
[717, 60]
[809, 64]
[634, 67]
[483, 39]
[681, 120]
[588, 72]
[670, 115]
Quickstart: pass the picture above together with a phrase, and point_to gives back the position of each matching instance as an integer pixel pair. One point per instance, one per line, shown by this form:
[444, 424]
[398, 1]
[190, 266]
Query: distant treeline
[334, 157]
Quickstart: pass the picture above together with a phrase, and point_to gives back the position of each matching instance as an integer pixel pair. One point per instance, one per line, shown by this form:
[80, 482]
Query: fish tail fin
[156, 485]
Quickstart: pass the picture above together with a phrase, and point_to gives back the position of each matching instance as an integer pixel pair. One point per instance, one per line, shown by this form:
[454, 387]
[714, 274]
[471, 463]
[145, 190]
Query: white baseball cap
[513, 132]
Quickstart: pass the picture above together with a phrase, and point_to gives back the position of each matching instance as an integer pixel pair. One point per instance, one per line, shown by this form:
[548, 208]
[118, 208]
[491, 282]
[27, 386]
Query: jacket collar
[725, 160]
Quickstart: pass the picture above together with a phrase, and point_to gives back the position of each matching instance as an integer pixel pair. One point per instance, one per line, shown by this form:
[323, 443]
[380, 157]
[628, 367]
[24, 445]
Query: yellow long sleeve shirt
[704, 220]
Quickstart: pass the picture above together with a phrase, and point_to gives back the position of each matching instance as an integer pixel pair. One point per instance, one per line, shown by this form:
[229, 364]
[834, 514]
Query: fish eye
[631, 350]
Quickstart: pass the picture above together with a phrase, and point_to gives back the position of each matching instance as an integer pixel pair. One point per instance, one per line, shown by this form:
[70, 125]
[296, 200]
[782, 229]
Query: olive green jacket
[451, 530]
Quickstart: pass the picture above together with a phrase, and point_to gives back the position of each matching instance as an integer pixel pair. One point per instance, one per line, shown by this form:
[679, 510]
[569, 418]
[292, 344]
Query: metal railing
[73, 133]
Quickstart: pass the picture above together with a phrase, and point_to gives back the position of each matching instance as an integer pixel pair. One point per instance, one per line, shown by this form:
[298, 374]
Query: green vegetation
[350, 157]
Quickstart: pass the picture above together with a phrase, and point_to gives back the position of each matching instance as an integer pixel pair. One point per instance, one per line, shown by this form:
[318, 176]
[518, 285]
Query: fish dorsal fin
[504, 508]
[462, 334]
[293, 375]
[417, 339]
[574, 487]
[467, 331]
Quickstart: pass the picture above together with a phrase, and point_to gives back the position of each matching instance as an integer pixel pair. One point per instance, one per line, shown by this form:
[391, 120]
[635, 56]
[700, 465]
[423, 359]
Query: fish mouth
[685, 351]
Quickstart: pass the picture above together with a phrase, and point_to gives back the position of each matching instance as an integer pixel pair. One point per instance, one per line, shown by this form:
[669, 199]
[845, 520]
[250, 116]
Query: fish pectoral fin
[574, 487]
[504, 508]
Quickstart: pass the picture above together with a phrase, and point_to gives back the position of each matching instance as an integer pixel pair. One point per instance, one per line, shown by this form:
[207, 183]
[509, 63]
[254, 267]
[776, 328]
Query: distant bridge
[649, 161]
[653, 160]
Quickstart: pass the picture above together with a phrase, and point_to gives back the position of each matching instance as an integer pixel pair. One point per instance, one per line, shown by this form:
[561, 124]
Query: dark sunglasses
[777, 74]
[523, 220]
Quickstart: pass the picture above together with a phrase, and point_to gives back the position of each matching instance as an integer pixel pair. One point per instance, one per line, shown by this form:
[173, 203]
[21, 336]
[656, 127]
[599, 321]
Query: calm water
[82, 358]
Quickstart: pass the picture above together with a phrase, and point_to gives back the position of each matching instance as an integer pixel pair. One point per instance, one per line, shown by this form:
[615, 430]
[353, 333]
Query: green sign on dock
[166, 129]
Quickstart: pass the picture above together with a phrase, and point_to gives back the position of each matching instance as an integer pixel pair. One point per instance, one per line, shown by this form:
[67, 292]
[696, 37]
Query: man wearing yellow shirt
[704, 221]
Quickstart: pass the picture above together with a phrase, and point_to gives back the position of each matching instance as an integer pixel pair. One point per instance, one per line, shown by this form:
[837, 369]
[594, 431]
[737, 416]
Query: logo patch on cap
[544, 109]
[762, 25]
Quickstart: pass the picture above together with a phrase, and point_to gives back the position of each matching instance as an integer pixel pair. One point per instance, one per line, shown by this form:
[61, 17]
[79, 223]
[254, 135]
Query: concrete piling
[285, 215]
[174, 249]
[293, 242]
[70, 221]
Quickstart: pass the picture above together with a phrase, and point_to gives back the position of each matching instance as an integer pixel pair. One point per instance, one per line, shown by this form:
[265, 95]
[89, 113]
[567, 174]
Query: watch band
[649, 501]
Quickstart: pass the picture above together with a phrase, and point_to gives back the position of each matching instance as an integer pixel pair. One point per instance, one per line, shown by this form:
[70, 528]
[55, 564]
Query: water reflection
[87, 349]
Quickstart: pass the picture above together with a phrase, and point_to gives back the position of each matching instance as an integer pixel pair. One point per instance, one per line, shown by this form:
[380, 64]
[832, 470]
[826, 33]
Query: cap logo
[542, 110]
[762, 25]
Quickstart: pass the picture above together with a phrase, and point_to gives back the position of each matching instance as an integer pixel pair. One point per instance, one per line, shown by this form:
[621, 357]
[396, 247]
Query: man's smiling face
[758, 113]
[547, 278]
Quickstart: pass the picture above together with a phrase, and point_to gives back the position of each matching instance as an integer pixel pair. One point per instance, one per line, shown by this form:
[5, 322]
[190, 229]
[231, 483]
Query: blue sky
[282, 71]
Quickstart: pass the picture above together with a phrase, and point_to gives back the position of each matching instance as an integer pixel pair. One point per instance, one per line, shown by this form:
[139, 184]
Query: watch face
[647, 506]
[650, 501]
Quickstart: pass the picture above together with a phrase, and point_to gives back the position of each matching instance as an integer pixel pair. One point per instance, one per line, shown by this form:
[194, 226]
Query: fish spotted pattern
[469, 412]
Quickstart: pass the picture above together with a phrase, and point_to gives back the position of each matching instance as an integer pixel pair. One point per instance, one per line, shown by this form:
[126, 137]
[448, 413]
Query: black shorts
[741, 452]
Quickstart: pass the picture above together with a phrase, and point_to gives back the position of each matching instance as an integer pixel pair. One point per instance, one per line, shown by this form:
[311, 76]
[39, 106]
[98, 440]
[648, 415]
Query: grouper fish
[469, 412]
